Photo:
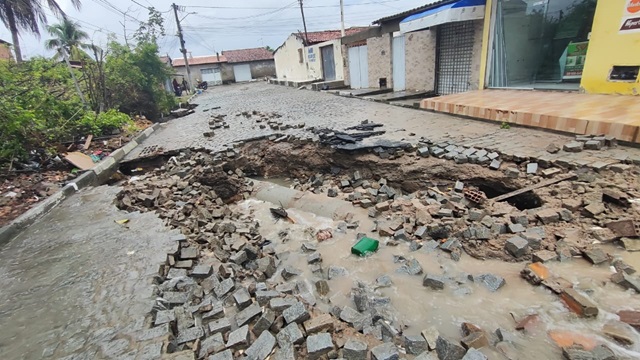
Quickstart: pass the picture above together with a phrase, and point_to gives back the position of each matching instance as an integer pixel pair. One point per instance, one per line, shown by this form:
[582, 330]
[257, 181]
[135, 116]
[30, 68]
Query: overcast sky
[211, 26]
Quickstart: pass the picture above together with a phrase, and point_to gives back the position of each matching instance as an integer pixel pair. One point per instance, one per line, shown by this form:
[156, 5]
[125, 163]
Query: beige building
[5, 51]
[414, 51]
[318, 56]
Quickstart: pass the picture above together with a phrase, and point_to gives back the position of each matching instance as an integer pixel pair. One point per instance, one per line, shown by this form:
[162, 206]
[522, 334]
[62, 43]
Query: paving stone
[517, 246]
[289, 335]
[621, 332]
[264, 322]
[251, 312]
[415, 344]
[238, 338]
[512, 172]
[318, 345]
[184, 318]
[431, 336]
[354, 350]
[602, 352]
[225, 287]
[491, 281]
[574, 146]
[495, 164]
[242, 298]
[578, 303]
[449, 350]
[261, 347]
[515, 228]
[314, 258]
[411, 267]
[296, 313]
[319, 323]
[220, 326]
[423, 151]
[150, 352]
[164, 316]
[532, 168]
[475, 340]
[280, 304]
[225, 355]
[190, 334]
[201, 271]
[386, 351]
[595, 255]
[544, 256]
[336, 271]
[626, 281]
[210, 345]
[267, 265]
[180, 355]
[473, 354]
[595, 209]
[435, 282]
[189, 253]
[153, 333]
[289, 272]
[183, 264]
[427, 356]
[176, 273]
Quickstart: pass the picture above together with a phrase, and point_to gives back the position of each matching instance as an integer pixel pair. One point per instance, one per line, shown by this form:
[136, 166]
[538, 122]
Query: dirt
[226, 187]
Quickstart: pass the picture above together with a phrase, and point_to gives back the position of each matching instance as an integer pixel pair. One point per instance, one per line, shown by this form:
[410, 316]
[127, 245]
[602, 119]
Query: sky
[215, 26]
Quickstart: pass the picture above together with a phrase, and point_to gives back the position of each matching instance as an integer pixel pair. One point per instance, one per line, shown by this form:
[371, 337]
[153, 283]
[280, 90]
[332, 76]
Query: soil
[20, 192]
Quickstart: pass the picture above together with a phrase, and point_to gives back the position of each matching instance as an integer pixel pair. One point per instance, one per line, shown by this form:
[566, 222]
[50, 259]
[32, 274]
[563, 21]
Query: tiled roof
[200, 60]
[316, 37]
[432, 4]
[246, 55]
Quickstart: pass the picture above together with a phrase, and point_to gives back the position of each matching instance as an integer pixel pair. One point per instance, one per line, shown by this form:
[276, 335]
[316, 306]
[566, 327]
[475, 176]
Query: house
[249, 64]
[432, 48]
[312, 57]
[5, 50]
[213, 69]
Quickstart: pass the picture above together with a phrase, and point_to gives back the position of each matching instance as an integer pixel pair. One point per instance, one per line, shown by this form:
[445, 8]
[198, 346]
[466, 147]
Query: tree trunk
[14, 34]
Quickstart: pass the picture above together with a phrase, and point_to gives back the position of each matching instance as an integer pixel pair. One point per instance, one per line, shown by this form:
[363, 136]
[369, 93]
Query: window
[300, 56]
[624, 73]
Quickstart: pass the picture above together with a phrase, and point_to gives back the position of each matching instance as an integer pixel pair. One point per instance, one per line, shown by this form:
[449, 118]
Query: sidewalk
[582, 114]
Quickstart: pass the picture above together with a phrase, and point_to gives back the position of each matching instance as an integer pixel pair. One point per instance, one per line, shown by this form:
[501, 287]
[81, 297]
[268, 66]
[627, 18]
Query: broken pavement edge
[100, 173]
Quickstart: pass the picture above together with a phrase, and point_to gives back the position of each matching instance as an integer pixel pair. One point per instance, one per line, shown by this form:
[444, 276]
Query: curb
[101, 172]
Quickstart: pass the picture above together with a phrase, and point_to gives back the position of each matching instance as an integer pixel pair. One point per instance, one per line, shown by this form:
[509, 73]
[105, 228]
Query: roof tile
[246, 55]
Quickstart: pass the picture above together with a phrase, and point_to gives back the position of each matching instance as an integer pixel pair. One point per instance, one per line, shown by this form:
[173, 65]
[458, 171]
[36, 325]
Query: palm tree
[18, 15]
[67, 42]
[68, 38]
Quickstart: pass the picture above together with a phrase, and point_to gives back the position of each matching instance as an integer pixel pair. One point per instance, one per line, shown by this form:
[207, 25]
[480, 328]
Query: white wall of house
[295, 62]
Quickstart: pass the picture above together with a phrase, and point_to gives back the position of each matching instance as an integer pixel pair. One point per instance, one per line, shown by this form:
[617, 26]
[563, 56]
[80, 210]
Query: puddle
[418, 307]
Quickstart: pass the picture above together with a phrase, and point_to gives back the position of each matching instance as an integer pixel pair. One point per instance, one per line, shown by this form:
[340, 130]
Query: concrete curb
[101, 172]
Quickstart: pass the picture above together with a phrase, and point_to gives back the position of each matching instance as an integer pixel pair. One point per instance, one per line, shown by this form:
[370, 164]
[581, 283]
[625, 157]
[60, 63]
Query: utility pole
[306, 37]
[342, 16]
[183, 50]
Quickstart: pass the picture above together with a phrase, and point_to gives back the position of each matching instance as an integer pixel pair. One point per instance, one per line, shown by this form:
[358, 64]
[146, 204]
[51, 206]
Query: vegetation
[42, 102]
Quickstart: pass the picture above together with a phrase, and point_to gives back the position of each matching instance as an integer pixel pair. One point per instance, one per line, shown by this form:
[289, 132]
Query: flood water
[419, 308]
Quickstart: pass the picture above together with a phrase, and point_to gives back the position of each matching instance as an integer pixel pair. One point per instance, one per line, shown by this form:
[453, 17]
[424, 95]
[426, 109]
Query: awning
[461, 10]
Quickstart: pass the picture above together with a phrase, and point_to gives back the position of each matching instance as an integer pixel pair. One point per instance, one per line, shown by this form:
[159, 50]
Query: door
[242, 72]
[328, 63]
[212, 76]
[358, 67]
[397, 51]
[455, 53]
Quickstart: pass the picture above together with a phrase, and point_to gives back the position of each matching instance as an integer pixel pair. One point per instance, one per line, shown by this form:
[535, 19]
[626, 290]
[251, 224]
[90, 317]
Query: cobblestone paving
[327, 110]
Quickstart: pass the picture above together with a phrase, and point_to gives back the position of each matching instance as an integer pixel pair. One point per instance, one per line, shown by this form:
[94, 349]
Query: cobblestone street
[322, 110]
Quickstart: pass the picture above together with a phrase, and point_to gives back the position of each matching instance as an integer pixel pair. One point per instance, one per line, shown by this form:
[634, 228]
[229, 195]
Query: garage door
[212, 76]
[399, 74]
[455, 49]
[242, 72]
[358, 67]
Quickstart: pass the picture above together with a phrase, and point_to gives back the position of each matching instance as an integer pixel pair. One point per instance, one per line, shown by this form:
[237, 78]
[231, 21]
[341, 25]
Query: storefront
[538, 44]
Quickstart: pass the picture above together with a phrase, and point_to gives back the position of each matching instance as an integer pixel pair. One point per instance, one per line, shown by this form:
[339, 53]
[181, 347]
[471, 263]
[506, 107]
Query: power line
[270, 8]
[250, 16]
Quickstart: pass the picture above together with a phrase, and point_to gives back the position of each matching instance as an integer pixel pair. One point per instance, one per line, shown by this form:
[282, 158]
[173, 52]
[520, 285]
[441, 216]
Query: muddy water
[418, 307]
[76, 285]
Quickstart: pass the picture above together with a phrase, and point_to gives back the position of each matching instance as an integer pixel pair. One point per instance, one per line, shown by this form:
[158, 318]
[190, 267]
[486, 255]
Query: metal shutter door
[455, 53]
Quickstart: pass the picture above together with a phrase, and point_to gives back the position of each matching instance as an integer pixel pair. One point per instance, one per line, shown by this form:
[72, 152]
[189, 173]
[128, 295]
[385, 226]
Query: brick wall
[420, 60]
[379, 59]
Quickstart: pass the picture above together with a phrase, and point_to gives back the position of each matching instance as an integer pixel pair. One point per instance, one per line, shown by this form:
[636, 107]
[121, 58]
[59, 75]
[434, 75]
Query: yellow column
[485, 43]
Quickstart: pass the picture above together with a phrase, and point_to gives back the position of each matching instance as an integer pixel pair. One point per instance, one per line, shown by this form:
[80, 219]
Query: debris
[324, 234]
[578, 303]
[533, 187]
[365, 246]
[80, 160]
[122, 221]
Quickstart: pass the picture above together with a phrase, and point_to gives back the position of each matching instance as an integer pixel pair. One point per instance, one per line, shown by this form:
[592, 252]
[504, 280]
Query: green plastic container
[365, 246]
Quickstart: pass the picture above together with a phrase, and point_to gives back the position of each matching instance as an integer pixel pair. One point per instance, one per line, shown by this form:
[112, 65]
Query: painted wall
[289, 67]
[608, 47]
[379, 59]
[476, 61]
[420, 59]
[226, 72]
[261, 69]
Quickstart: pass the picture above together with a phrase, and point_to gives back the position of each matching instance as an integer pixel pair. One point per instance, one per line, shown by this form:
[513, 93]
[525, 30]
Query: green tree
[67, 43]
[152, 29]
[27, 15]
[269, 48]
[68, 38]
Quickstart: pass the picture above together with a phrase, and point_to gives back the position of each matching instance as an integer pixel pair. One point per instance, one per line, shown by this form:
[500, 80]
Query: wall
[262, 68]
[315, 68]
[379, 59]
[226, 72]
[609, 47]
[5, 52]
[288, 66]
[420, 59]
[345, 58]
[476, 61]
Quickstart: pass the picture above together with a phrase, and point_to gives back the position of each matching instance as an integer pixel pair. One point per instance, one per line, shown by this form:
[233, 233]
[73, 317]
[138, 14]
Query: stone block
[594, 209]
[296, 313]
[491, 281]
[189, 253]
[423, 151]
[595, 255]
[190, 334]
[449, 350]
[354, 350]
[495, 164]
[289, 272]
[386, 351]
[242, 298]
[544, 256]
[319, 323]
[517, 246]
[224, 288]
[280, 304]
[475, 340]
[261, 347]
[626, 281]
[515, 228]
[593, 145]
[435, 282]
[220, 326]
[473, 354]
[210, 345]
[548, 216]
[290, 335]
[415, 344]
[264, 322]
[319, 345]
[264, 296]
[574, 146]
[532, 168]
[251, 312]
[512, 172]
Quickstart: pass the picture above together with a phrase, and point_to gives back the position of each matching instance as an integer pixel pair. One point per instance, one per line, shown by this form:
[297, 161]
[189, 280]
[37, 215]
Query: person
[185, 86]
[176, 88]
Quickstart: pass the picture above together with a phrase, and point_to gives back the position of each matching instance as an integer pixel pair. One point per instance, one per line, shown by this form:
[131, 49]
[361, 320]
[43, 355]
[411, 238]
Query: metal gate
[242, 72]
[212, 76]
[455, 54]
[328, 63]
[398, 66]
[358, 67]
